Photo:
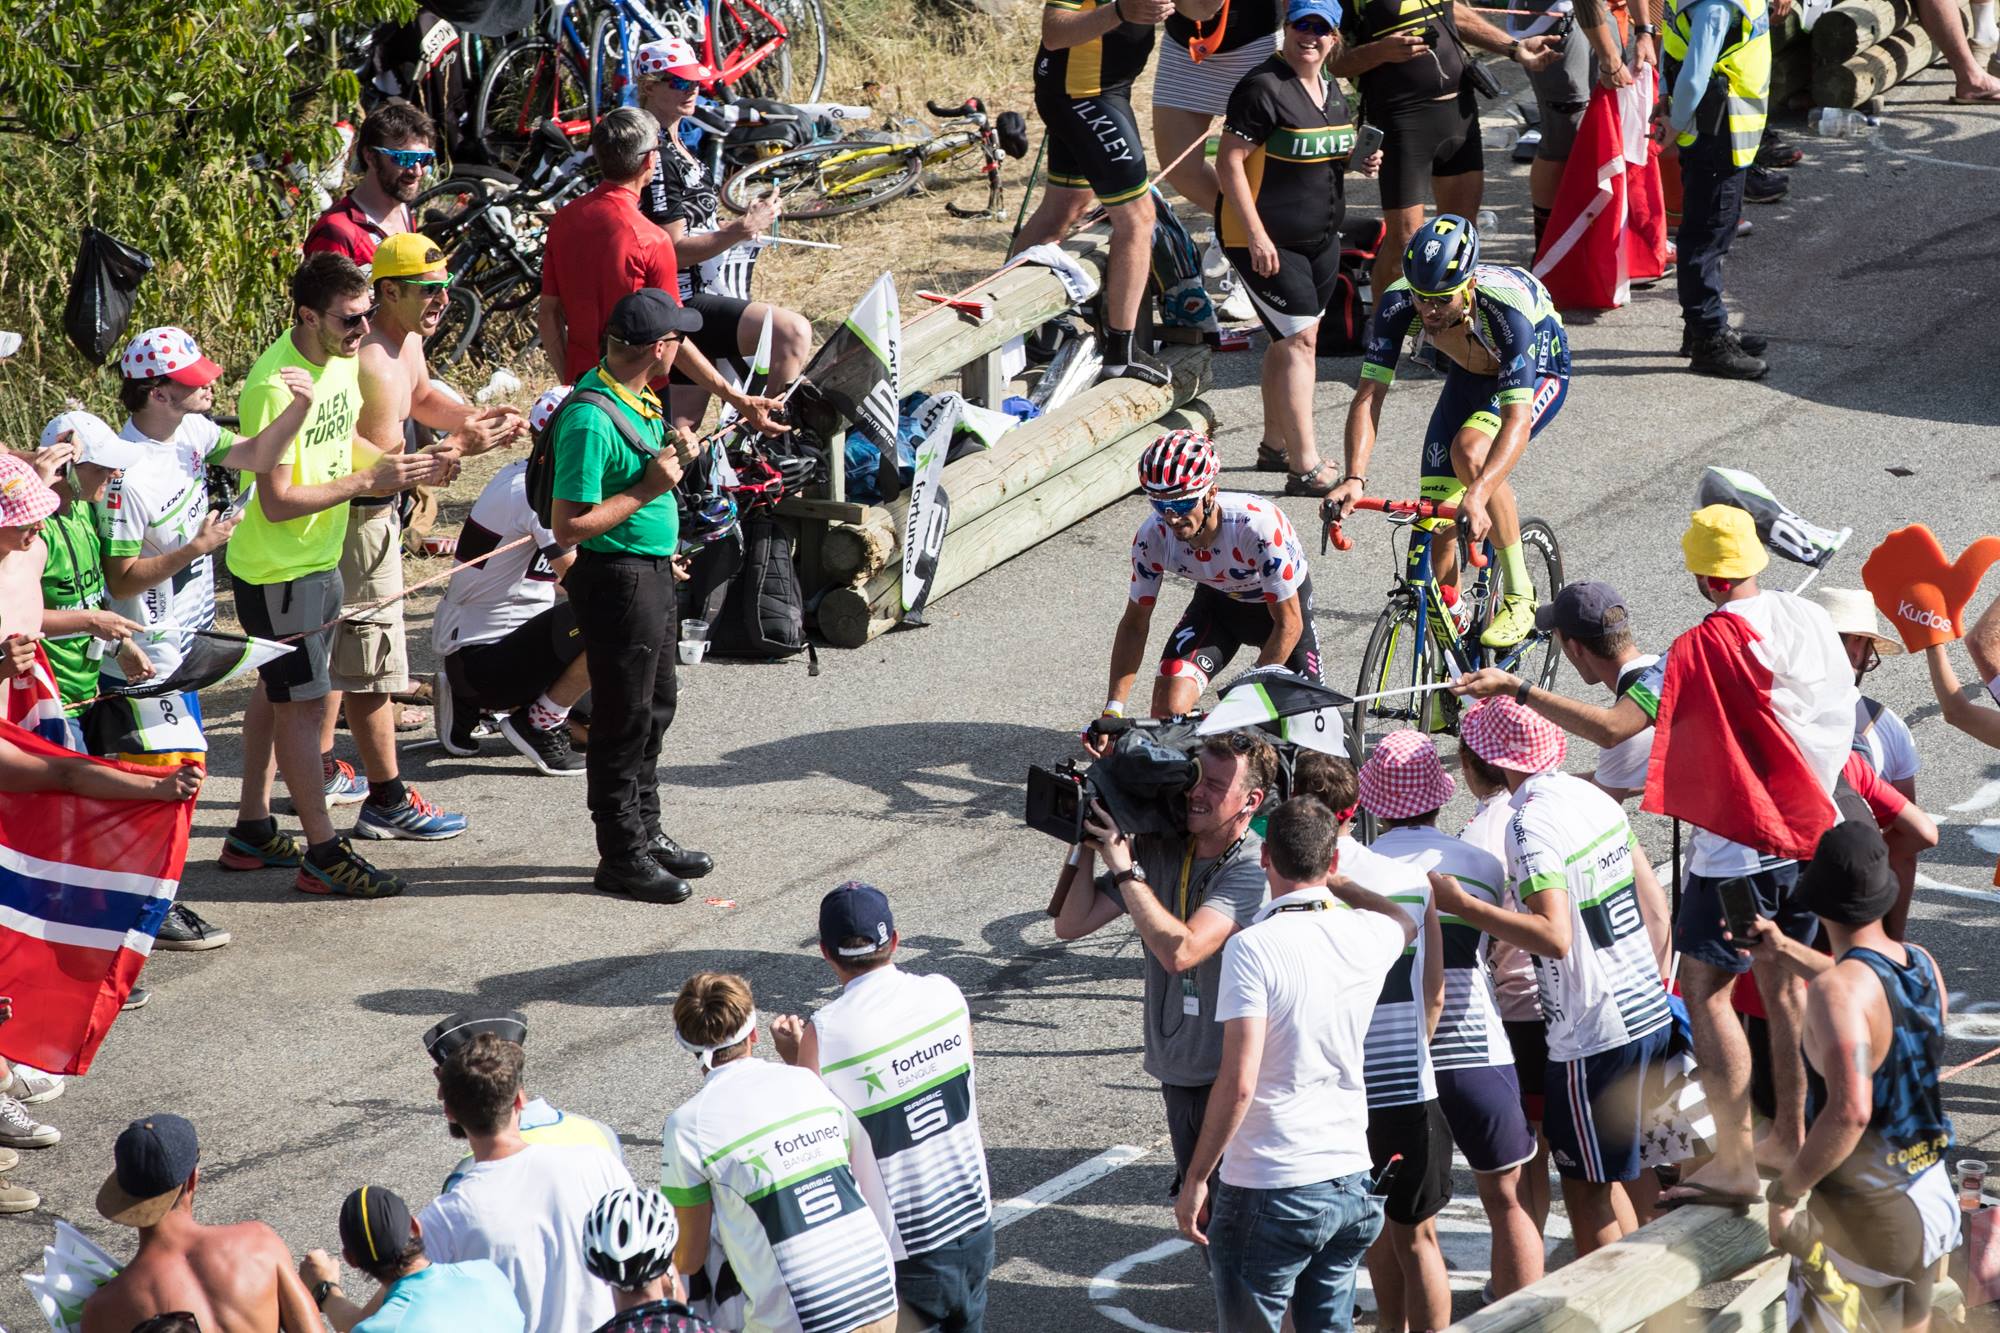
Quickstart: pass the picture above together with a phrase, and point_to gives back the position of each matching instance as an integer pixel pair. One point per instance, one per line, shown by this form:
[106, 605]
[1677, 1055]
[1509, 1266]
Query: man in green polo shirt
[614, 502]
[284, 559]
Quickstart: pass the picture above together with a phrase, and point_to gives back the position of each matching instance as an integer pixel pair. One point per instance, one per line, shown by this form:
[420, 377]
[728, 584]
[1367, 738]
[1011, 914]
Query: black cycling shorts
[1473, 401]
[512, 671]
[719, 337]
[1215, 625]
[1420, 1187]
[1094, 145]
[1426, 140]
[1291, 300]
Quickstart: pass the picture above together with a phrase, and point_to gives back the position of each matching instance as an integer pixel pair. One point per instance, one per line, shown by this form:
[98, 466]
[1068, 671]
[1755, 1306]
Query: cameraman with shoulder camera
[1186, 894]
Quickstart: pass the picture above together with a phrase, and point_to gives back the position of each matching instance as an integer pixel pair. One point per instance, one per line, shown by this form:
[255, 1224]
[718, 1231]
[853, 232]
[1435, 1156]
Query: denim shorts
[946, 1286]
[1299, 1247]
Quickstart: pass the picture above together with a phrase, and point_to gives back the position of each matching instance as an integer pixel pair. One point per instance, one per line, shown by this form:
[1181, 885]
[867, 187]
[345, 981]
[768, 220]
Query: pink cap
[1404, 778]
[169, 352]
[1510, 735]
[24, 499]
[672, 55]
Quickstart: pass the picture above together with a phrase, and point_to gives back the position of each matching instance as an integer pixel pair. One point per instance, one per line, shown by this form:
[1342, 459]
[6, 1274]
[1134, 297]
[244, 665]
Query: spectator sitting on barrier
[1877, 1133]
[379, 1237]
[1294, 1212]
[237, 1276]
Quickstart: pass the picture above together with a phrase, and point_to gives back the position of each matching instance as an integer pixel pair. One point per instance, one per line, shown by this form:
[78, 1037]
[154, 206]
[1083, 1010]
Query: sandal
[1310, 482]
[1271, 460]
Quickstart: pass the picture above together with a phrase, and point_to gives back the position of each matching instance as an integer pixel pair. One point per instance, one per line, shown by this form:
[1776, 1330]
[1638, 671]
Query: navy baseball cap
[1324, 9]
[152, 1161]
[448, 1035]
[648, 315]
[1584, 611]
[375, 1225]
[855, 911]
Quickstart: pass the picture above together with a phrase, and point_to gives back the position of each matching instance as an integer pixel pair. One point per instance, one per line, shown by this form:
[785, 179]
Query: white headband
[706, 1054]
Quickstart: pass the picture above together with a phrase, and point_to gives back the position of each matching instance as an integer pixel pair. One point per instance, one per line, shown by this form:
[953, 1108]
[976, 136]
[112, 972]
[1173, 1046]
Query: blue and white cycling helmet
[1441, 256]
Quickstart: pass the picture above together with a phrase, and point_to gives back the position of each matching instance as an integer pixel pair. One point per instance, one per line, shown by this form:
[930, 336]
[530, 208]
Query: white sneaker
[18, 1129]
[1235, 307]
[1216, 271]
[31, 1087]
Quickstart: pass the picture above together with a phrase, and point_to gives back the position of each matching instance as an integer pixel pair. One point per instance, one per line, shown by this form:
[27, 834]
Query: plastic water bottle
[1835, 123]
[1488, 221]
[502, 384]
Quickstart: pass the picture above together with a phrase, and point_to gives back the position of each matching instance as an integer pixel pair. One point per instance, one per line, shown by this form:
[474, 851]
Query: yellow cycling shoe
[1513, 622]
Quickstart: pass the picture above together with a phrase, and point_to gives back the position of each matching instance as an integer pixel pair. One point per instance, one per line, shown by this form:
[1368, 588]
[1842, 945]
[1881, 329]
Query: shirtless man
[233, 1279]
[370, 660]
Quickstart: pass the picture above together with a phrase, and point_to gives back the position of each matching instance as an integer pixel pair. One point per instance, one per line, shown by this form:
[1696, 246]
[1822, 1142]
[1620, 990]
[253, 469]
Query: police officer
[1719, 100]
[615, 469]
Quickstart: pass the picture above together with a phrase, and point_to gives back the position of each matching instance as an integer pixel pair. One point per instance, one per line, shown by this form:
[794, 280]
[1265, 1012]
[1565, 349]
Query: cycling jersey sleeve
[1514, 346]
[1645, 691]
[1149, 561]
[1386, 331]
[1253, 109]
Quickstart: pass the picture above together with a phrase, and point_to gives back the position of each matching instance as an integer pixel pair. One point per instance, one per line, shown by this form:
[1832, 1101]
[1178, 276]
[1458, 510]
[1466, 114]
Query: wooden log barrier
[1848, 29]
[854, 552]
[1876, 70]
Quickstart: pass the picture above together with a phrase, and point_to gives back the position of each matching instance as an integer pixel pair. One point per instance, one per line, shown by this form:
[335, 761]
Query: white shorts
[1204, 89]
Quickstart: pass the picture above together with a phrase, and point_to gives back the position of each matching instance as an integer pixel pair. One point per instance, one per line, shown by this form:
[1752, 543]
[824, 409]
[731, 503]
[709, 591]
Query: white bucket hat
[1852, 611]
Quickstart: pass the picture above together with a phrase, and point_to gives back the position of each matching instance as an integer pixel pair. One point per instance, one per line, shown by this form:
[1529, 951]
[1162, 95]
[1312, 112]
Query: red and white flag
[1756, 719]
[1610, 190]
[33, 703]
[84, 885]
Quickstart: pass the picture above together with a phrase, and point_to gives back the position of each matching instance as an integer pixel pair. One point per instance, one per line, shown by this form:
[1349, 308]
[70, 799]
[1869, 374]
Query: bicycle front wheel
[826, 180]
[1536, 658]
[1400, 653]
[792, 71]
[608, 65]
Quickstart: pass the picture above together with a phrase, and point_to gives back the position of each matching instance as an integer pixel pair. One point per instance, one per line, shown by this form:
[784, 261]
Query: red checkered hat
[24, 499]
[1511, 735]
[1403, 778]
[672, 55]
[170, 352]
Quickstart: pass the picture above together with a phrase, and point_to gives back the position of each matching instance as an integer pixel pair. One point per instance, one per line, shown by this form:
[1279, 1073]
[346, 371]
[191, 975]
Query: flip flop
[1705, 1196]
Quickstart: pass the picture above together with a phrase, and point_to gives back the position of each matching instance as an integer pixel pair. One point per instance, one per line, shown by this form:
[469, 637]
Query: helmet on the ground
[1178, 464]
[1441, 255]
[628, 1239]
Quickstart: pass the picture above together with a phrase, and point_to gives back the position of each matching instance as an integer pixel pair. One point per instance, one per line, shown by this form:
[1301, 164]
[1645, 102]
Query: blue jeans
[1298, 1246]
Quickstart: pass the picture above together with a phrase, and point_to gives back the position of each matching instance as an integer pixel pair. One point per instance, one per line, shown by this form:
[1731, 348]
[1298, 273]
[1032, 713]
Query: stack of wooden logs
[1861, 49]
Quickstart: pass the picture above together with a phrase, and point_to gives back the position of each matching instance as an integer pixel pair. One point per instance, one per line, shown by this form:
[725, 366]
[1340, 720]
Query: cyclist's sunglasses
[1178, 508]
[352, 322]
[1438, 298]
[1312, 27]
[420, 158]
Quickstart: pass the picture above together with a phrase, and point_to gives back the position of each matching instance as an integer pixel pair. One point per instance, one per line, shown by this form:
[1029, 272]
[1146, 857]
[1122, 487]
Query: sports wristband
[1354, 476]
[1522, 691]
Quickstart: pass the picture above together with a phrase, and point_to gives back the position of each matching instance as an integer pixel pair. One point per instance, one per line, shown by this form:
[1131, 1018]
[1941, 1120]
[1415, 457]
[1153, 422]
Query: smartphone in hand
[1739, 910]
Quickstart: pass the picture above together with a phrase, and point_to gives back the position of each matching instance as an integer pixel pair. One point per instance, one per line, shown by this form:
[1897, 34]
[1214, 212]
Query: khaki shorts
[369, 655]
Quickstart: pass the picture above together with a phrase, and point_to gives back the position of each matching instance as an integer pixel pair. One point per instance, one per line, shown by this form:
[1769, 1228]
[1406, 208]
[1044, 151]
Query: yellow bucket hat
[1721, 543]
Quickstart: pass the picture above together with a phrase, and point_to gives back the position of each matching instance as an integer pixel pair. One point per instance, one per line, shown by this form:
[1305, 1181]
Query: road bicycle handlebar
[971, 106]
[1330, 516]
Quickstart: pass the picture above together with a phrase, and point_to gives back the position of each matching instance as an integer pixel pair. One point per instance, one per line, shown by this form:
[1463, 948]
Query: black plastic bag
[107, 276]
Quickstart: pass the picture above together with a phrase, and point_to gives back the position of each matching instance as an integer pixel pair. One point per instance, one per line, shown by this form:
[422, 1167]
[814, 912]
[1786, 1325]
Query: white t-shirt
[1469, 1035]
[1885, 740]
[897, 1049]
[1606, 991]
[156, 508]
[525, 1213]
[488, 601]
[1399, 1056]
[1311, 968]
[1515, 989]
[797, 1197]
[1623, 766]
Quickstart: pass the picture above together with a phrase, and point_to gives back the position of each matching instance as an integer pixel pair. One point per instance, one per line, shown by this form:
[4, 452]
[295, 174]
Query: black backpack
[540, 475]
[1343, 329]
[748, 589]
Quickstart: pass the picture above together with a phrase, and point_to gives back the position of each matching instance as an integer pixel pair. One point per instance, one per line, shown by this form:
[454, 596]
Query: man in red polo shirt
[398, 148]
[601, 249]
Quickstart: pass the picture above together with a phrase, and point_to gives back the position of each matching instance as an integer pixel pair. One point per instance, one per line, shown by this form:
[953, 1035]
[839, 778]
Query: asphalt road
[295, 1049]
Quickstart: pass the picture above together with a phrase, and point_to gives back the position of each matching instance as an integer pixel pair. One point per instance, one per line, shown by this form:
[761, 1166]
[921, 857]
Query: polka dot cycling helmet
[1178, 464]
[1442, 255]
[628, 1238]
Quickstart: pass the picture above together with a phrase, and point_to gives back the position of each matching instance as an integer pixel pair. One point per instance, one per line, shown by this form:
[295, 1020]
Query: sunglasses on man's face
[407, 158]
[352, 322]
[1312, 27]
[1177, 508]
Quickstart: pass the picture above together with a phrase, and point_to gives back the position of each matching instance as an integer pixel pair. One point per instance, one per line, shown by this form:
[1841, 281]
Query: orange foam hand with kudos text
[1923, 594]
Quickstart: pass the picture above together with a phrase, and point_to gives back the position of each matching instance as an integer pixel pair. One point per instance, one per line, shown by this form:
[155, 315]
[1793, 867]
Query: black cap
[1849, 881]
[648, 315]
[855, 911]
[453, 1033]
[375, 1226]
[1584, 611]
[151, 1162]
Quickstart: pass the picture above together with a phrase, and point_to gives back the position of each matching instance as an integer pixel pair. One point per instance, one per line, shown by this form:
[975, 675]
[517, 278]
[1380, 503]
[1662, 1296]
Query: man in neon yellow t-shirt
[284, 557]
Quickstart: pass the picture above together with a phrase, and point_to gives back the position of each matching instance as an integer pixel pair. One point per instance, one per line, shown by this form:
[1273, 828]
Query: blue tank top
[1908, 1132]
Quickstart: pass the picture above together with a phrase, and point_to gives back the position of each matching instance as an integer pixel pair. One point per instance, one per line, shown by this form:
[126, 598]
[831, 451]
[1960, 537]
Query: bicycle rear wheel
[796, 70]
[1536, 658]
[440, 211]
[609, 63]
[826, 180]
[527, 83]
[457, 330]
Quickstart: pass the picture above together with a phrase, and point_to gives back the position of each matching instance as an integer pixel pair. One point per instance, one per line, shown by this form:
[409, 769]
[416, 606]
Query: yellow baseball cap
[1721, 543]
[407, 254]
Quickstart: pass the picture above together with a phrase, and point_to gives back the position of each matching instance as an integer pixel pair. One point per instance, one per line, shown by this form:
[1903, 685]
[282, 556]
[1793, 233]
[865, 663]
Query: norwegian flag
[33, 703]
[84, 885]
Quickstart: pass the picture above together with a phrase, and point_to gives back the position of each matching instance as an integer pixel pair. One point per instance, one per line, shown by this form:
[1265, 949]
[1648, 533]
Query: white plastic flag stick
[1407, 689]
[1814, 573]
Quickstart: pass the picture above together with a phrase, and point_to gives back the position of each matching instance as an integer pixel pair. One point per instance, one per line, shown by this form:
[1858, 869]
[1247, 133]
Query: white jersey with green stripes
[897, 1048]
[1606, 991]
[1469, 1034]
[797, 1199]
[1396, 1059]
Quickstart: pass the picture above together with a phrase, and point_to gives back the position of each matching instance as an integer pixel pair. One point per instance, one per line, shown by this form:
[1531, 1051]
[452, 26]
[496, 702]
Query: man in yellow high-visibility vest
[1721, 87]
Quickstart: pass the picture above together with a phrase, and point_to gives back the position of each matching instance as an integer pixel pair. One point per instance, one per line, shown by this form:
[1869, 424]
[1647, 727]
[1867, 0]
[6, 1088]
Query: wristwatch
[1514, 51]
[1777, 1196]
[1128, 874]
[1645, 30]
[1522, 691]
[321, 1290]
